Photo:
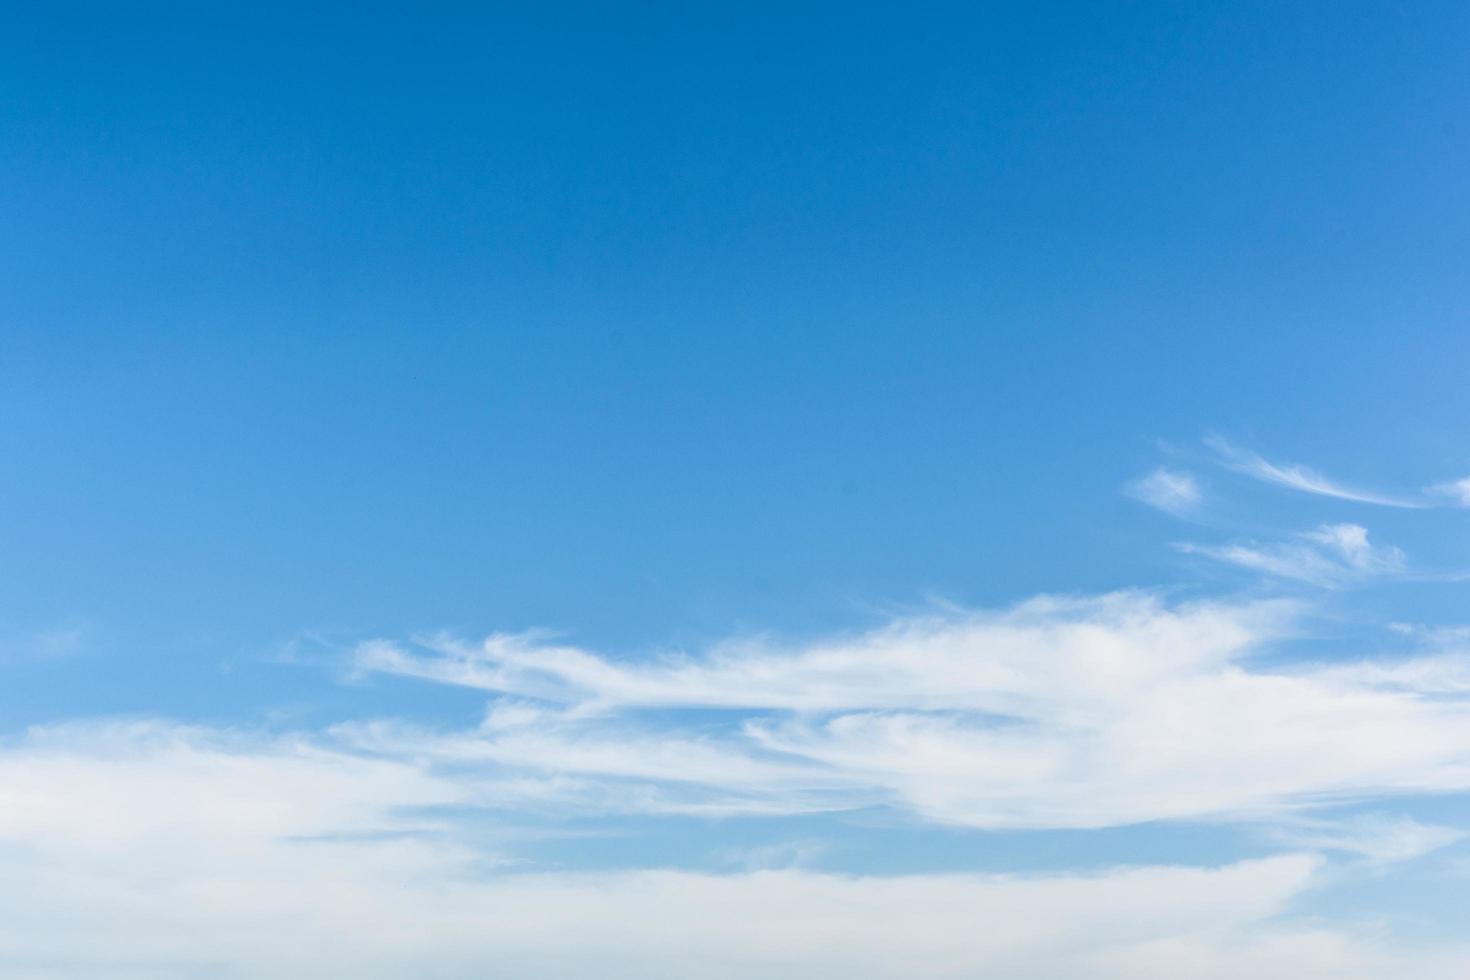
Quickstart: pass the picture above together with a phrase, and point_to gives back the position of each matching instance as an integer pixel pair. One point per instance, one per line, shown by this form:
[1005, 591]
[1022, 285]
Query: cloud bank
[197, 853]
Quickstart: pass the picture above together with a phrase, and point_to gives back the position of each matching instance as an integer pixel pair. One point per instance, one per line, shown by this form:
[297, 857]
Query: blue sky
[912, 460]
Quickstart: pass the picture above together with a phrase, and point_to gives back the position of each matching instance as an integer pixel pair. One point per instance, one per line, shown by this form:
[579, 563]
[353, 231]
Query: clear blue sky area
[652, 323]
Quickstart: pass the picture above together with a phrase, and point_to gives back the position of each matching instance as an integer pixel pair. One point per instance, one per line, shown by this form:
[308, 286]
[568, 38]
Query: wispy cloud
[1057, 713]
[48, 643]
[1456, 492]
[1297, 477]
[964, 661]
[1172, 491]
[110, 784]
[1332, 556]
[1376, 837]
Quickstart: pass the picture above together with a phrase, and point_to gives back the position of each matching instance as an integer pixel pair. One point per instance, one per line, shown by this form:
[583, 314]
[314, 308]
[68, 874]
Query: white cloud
[1171, 491]
[566, 762]
[1456, 491]
[1332, 556]
[1058, 713]
[1350, 542]
[263, 858]
[1298, 477]
[982, 662]
[1380, 838]
[132, 783]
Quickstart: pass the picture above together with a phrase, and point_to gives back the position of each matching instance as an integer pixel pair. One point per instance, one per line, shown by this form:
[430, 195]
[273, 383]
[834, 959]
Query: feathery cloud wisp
[1171, 491]
[1457, 492]
[1058, 713]
[1376, 837]
[1297, 477]
[1331, 556]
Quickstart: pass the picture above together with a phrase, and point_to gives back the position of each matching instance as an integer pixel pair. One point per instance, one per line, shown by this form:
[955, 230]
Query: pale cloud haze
[1171, 491]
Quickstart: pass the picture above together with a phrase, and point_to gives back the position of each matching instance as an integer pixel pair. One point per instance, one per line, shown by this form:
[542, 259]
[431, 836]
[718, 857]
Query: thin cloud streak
[1301, 478]
[1331, 556]
[1375, 837]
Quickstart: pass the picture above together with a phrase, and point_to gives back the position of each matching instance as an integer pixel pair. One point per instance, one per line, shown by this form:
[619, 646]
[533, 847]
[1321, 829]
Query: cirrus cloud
[1057, 713]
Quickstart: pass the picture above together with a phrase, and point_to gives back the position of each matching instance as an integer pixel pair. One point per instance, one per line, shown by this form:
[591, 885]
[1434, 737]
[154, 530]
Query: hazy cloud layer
[198, 853]
[382, 849]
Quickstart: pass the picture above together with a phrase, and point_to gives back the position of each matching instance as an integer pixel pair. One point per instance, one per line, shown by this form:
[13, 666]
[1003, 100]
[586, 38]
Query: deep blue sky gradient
[659, 323]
